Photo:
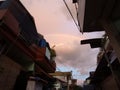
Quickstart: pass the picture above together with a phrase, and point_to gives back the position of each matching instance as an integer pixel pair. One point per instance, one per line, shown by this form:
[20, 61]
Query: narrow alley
[59, 45]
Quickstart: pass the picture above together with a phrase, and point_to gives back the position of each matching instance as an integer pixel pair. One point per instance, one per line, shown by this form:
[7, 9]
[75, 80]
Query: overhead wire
[71, 14]
[74, 22]
[76, 7]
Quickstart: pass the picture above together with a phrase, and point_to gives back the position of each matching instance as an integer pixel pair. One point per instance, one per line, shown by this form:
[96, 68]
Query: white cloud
[53, 21]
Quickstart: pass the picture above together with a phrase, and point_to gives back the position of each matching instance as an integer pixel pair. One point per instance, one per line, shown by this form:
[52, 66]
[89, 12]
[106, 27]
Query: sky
[54, 22]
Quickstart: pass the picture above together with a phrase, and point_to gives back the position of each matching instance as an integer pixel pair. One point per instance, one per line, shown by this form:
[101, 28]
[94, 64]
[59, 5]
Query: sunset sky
[54, 22]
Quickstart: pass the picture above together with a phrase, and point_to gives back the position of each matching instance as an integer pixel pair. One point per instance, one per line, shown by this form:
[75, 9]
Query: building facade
[25, 56]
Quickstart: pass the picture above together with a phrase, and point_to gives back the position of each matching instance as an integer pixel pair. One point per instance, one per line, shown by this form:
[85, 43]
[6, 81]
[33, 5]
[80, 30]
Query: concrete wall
[34, 85]
[9, 71]
[109, 84]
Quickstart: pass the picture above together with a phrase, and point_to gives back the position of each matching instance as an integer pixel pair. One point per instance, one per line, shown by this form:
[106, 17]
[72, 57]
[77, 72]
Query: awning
[90, 12]
[94, 43]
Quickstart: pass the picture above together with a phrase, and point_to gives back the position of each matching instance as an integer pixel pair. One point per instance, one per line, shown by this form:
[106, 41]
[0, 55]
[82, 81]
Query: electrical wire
[71, 14]
[76, 7]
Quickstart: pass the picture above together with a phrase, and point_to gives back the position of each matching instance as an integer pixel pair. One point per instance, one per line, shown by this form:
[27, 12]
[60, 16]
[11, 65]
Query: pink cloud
[53, 21]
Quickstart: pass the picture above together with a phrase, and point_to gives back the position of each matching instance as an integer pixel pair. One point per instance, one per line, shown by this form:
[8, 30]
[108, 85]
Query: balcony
[14, 30]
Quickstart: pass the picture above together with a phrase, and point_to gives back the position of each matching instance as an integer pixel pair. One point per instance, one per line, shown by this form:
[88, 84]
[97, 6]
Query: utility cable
[71, 15]
[76, 7]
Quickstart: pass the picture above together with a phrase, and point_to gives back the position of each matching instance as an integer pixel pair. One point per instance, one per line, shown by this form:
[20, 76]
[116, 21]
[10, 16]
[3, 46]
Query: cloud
[54, 22]
[71, 54]
[49, 16]
[80, 82]
[80, 58]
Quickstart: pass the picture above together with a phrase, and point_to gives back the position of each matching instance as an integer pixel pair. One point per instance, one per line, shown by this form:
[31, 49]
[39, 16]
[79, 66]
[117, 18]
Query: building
[106, 74]
[100, 15]
[63, 80]
[25, 56]
[96, 16]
